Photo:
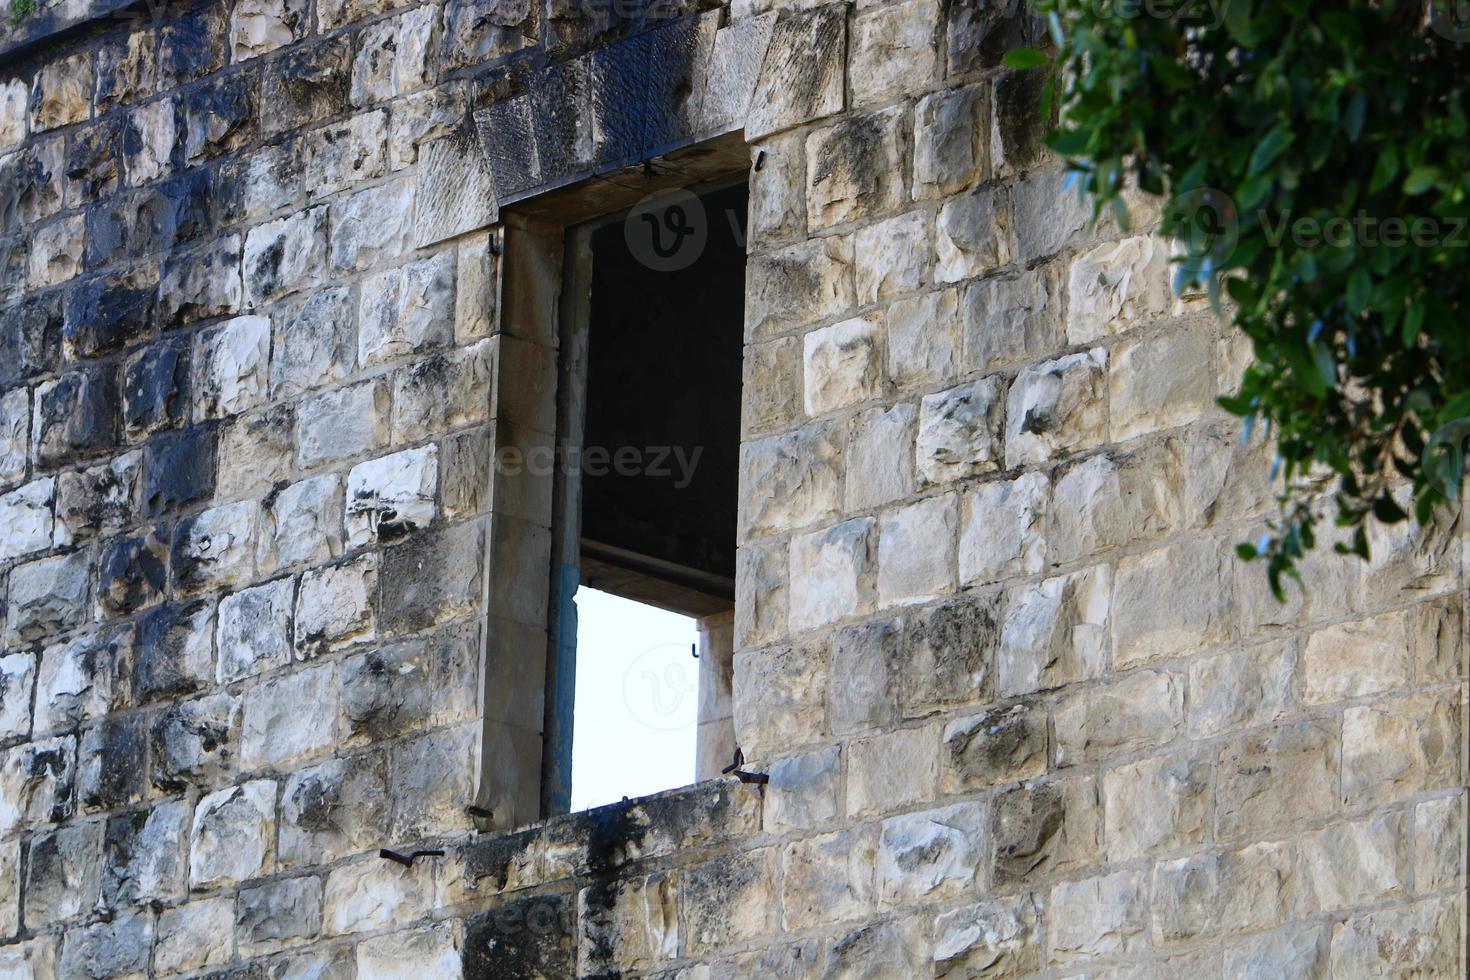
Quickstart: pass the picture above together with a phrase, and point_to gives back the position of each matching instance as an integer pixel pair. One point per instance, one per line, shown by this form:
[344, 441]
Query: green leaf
[1420, 179]
[1360, 290]
[1385, 170]
[1247, 552]
[1352, 121]
[1023, 58]
[1269, 148]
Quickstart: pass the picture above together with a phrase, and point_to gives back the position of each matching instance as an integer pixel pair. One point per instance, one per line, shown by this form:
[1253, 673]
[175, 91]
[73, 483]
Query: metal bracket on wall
[734, 769]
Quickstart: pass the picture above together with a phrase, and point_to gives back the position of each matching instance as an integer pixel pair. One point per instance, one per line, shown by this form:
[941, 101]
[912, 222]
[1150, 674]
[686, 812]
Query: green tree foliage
[1314, 160]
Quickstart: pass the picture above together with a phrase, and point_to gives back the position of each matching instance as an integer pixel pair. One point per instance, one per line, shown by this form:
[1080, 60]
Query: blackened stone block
[101, 499]
[618, 83]
[127, 68]
[142, 860]
[92, 161]
[154, 219]
[521, 940]
[155, 387]
[63, 874]
[106, 313]
[195, 742]
[219, 116]
[76, 415]
[174, 651]
[112, 763]
[1018, 121]
[677, 55]
[178, 469]
[116, 948]
[200, 284]
[982, 31]
[31, 183]
[305, 86]
[30, 339]
[477, 31]
[430, 577]
[133, 572]
[193, 43]
[559, 106]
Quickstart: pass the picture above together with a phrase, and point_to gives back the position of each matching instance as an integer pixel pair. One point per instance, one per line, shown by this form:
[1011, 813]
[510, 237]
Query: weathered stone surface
[76, 416]
[1163, 381]
[108, 949]
[1357, 863]
[993, 939]
[1439, 848]
[1353, 659]
[1055, 407]
[1399, 747]
[255, 452]
[392, 496]
[335, 606]
[254, 633]
[730, 899]
[930, 855]
[37, 778]
[1239, 689]
[832, 574]
[951, 142]
[879, 464]
[959, 432]
[156, 388]
[132, 573]
[1055, 633]
[1424, 939]
[232, 367]
[215, 549]
[827, 879]
[10, 882]
[262, 182]
[981, 33]
[1047, 214]
[843, 364]
[780, 697]
[1157, 804]
[150, 138]
[285, 255]
[289, 718]
[771, 385]
[798, 285]
[63, 93]
[1297, 952]
[923, 339]
[1009, 319]
[101, 499]
[26, 521]
[946, 655]
[910, 568]
[333, 809]
[1107, 916]
[112, 763]
[456, 191]
[1295, 762]
[804, 791]
[437, 576]
[82, 679]
[301, 524]
[432, 951]
[342, 423]
[408, 686]
[219, 116]
[1237, 891]
[233, 835]
[1001, 529]
[888, 772]
[973, 236]
[861, 695]
[1001, 745]
[174, 651]
[305, 85]
[374, 894]
[277, 913]
[196, 742]
[372, 225]
[194, 936]
[1117, 286]
[15, 435]
[802, 77]
[853, 169]
[1141, 708]
[13, 121]
[144, 856]
[17, 682]
[791, 480]
[347, 153]
[315, 343]
[1171, 602]
[258, 27]
[48, 596]
[33, 958]
[63, 873]
[893, 51]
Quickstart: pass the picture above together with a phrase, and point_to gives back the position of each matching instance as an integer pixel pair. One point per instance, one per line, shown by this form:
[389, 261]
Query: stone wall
[1022, 710]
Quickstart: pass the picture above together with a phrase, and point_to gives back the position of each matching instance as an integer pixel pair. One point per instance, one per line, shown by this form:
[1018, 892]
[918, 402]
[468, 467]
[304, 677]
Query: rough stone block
[1399, 747]
[132, 573]
[315, 343]
[156, 388]
[1108, 916]
[63, 874]
[15, 435]
[372, 226]
[1351, 660]
[215, 549]
[1163, 381]
[1001, 745]
[1357, 863]
[179, 469]
[232, 366]
[832, 574]
[112, 763]
[1139, 709]
[911, 568]
[1171, 602]
[305, 84]
[254, 633]
[201, 284]
[48, 596]
[960, 432]
[804, 791]
[980, 33]
[809, 281]
[285, 255]
[194, 937]
[973, 236]
[27, 522]
[1010, 319]
[854, 169]
[118, 948]
[144, 859]
[888, 772]
[892, 257]
[951, 144]
[1157, 804]
[196, 742]
[76, 416]
[17, 682]
[1272, 779]
[301, 524]
[173, 651]
[1056, 407]
[151, 136]
[997, 938]
[14, 97]
[36, 783]
[843, 364]
[62, 95]
[1299, 951]
[771, 392]
[923, 339]
[219, 116]
[280, 913]
[879, 467]
[1424, 938]
[729, 900]
[344, 154]
[791, 480]
[289, 718]
[946, 654]
[1002, 530]
[373, 894]
[1439, 846]
[827, 879]
[431, 951]
[82, 679]
[780, 698]
[861, 695]
[407, 310]
[1117, 286]
[801, 79]
[1238, 891]
[761, 594]
[930, 856]
[1240, 689]
[193, 44]
[333, 809]
[258, 27]
[342, 423]
[1046, 213]
[432, 578]
[335, 606]
[233, 837]
[392, 496]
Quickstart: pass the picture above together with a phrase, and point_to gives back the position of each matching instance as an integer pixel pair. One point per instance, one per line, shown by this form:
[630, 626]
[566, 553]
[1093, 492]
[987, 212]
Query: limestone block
[315, 342]
[255, 452]
[1117, 286]
[260, 26]
[289, 718]
[996, 938]
[456, 190]
[63, 874]
[809, 281]
[931, 855]
[1238, 891]
[306, 84]
[1439, 847]
[1105, 501]
[1002, 529]
[63, 93]
[14, 97]
[1357, 863]
[1141, 708]
[82, 679]
[151, 135]
[804, 791]
[333, 809]
[854, 169]
[791, 480]
[730, 899]
[771, 389]
[342, 423]
[219, 116]
[444, 391]
[302, 524]
[48, 596]
[915, 560]
[1298, 951]
[343, 154]
[407, 686]
[1157, 804]
[254, 632]
[75, 416]
[285, 255]
[827, 879]
[777, 190]
[973, 236]
[892, 771]
[265, 181]
[923, 339]
[1399, 747]
[1350, 660]
[433, 577]
[373, 226]
[112, 763]
[17, 681]
[39, 173]
[233, 837]
[1425, 939]
[1010, 319]
[26, 519]
[36, 780]
[780, 698]
[861, 695]
[1162, 381]
[33, 958]
[880, 465]
[56, 252]
[201, 284]
[1106, 916]
[101, 499]
[1271, 779]
[118, 948]
[232, 365]
[196, 742]
[144, 856]
[91, 163]
[960, 432]
[214, 549]
[392, 496]
[1047, 213]
[892, 257]
[1171, 602]
[951, 145]
[1000, 745]
[10, 883]
[1019, 127]
[126, 69]
[946, 654]
[801, 79]
[428, 952]
[335, 606]
[194, 936]
[761, 593]
[893, 51]
[406, 310]
[633, 924]
[1039, 828]
[832, 574]
[179, 468]
[1056, 407]
[15, 435]
[279, 913]
[371, 894]
[1056, 633]
[1240, 689]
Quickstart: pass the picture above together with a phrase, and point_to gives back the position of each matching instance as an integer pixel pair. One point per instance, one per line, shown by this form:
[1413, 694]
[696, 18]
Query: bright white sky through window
[637, 700]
